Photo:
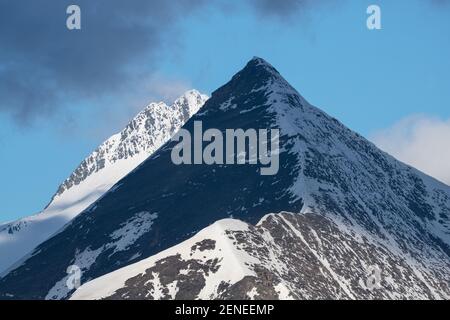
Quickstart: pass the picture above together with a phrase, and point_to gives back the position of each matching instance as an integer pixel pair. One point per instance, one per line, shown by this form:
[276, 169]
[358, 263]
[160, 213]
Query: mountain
[109, 163]
[285, 256]
[337, 209]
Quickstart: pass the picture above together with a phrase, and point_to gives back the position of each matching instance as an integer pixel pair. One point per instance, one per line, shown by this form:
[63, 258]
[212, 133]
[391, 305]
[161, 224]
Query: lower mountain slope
[285, 256]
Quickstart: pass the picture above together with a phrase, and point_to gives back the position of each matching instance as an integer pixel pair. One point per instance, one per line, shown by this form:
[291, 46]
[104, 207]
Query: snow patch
[83, 260]
[131, 230]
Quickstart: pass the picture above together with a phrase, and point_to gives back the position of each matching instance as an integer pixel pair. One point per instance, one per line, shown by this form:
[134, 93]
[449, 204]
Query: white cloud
[166, 89]
[420, 141]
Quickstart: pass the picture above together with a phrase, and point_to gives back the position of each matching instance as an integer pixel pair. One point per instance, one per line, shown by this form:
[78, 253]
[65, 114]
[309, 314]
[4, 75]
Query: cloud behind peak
[420, 141]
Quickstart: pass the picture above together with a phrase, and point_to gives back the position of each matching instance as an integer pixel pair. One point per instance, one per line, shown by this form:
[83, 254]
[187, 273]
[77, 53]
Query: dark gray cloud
[42, 64]
[285, 8]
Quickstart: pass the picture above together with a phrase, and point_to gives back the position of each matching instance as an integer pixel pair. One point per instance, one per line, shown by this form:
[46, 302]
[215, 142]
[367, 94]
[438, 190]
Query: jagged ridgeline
[347, 206]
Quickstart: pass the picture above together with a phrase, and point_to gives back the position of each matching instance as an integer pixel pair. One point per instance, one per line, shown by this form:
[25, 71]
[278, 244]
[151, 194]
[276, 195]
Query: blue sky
[369, 80]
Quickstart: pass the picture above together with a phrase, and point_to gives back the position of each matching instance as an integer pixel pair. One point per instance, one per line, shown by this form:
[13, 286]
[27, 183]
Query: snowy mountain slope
[285, 256]
[109, 163]
[195, 266]
[325, 169]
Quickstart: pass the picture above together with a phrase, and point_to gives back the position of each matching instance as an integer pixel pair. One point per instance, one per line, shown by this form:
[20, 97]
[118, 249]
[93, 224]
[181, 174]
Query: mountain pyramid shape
[337, 208]
[110, 162]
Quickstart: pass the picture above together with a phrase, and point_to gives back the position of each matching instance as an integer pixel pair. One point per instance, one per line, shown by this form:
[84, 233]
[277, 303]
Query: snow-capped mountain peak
[110, 162]
[142, 136]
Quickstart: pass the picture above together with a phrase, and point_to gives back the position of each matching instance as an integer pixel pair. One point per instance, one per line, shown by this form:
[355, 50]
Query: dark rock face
[357, 199]
[206, 244]
[168, 271]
